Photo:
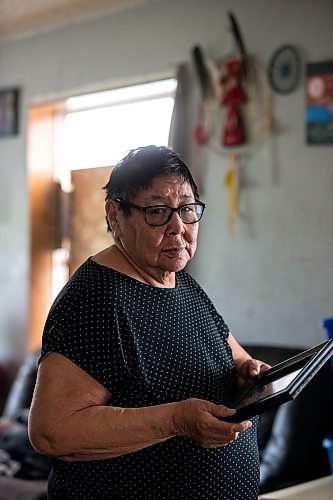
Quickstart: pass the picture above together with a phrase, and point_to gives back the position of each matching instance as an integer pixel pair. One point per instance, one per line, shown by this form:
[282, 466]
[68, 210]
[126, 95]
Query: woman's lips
[175, 252]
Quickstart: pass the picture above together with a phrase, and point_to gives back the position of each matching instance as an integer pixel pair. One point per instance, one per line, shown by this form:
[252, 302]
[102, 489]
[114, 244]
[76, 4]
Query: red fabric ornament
[233, 97]
[233, 134]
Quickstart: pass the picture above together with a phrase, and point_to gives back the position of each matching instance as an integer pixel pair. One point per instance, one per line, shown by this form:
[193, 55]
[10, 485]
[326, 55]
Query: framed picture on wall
[319, 103]
[9, 111]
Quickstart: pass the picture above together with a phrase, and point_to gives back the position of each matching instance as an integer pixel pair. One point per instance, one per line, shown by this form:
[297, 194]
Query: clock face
[284, 69]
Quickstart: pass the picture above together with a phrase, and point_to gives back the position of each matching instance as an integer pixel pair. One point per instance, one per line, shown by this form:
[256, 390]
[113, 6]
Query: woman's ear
[112, 211]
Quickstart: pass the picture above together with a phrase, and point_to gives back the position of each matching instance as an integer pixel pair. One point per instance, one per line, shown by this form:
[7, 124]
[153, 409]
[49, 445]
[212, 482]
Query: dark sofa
[30, 482]
[290, 437]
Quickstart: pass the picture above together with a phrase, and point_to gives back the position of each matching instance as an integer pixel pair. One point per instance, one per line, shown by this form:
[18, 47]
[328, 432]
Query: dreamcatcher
[234, 114]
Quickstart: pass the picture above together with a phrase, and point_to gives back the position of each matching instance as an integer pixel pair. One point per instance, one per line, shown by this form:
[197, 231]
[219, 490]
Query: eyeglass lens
[160, 214]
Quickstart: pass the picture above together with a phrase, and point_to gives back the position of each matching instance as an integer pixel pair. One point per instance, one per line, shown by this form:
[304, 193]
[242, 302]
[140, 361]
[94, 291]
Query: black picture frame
[9, 108]
[281, 383]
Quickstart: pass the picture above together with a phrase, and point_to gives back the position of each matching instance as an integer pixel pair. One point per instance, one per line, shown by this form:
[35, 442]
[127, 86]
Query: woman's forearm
[239, 354]
[70, 418]
[106, 432]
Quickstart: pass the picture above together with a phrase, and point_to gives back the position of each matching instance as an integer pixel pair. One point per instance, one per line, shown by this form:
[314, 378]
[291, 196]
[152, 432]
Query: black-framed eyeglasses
[159, 215]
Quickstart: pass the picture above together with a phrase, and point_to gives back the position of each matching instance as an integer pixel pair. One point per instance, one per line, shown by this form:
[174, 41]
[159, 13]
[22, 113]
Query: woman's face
[165, 248]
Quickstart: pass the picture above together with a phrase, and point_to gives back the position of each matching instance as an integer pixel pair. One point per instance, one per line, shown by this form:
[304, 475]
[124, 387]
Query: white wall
[273, 278]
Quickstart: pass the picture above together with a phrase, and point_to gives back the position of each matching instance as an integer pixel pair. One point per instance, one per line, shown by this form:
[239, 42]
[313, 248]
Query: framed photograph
[281, 383]
[9, 99]
[319, 103]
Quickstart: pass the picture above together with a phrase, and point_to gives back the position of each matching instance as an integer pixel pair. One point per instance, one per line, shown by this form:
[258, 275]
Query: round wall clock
[284, 69]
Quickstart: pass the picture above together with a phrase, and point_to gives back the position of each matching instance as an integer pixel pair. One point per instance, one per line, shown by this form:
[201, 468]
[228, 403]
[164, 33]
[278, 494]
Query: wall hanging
[9, 111]
[234, 113]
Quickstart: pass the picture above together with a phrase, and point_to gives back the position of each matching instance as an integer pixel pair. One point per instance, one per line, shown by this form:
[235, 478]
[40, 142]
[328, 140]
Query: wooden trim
[42, 199]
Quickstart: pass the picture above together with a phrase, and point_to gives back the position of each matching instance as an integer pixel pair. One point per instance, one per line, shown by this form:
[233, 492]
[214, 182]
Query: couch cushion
[19, 489]
[20, 395]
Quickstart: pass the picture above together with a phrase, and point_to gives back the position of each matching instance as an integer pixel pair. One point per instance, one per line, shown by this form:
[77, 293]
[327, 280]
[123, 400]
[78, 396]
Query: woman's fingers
[250, 368]
[201, 421]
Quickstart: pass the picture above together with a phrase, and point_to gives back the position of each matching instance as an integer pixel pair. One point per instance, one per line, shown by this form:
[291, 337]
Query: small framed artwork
[319, 103]
[9, 99]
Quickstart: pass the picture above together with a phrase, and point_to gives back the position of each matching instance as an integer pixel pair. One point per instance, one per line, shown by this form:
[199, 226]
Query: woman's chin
[176, 264]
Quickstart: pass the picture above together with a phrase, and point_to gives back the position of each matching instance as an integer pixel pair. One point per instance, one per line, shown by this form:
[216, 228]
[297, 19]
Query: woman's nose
[175, 225]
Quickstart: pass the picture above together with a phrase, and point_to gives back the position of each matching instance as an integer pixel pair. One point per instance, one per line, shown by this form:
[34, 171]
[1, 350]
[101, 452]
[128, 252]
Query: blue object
[318, 114]
[328, 444]
[328, 324]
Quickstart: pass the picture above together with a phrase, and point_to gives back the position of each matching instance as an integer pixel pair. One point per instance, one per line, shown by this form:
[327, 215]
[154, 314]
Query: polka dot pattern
[149, 346]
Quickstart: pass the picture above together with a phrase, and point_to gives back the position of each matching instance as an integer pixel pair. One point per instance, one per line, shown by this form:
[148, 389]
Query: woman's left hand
[250, 368]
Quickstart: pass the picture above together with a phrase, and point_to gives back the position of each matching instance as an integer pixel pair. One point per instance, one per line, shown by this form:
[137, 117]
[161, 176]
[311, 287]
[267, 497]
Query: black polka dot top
[150, 346]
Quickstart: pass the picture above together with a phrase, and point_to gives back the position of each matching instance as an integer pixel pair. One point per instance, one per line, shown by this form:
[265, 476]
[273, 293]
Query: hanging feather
[244, 73]
[209, 103]
[203, 74]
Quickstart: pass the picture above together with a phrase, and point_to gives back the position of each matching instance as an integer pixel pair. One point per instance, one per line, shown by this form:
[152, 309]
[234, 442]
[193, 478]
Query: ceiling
[20, 18]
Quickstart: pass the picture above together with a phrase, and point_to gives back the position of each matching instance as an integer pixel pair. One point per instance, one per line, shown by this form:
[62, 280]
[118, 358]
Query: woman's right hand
[197, 419]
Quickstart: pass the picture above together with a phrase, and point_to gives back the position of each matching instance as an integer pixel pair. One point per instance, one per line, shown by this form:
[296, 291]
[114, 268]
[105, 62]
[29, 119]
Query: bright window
[100, 128]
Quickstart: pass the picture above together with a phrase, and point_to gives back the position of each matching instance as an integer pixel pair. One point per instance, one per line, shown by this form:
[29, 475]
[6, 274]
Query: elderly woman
[137, 366]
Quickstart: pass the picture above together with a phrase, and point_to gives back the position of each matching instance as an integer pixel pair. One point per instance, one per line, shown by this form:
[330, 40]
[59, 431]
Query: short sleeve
[220, 323]
[86, 329]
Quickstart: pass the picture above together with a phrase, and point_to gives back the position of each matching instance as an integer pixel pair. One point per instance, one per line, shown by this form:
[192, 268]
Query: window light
[100, 128]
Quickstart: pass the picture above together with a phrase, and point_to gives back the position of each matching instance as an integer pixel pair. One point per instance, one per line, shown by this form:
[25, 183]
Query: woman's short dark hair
[137, 170]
